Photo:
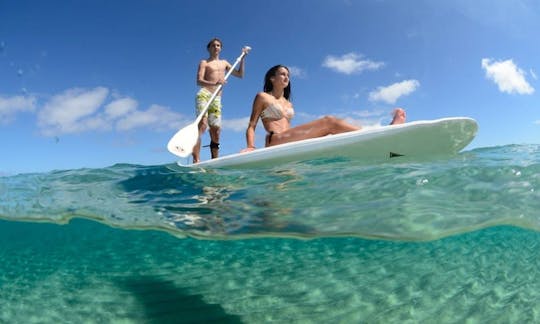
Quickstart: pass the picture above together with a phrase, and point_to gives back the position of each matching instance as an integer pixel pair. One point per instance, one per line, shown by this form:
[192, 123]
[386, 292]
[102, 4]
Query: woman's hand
[247, 149]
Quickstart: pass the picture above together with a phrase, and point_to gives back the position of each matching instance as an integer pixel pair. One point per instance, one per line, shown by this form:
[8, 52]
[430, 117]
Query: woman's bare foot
[398, 116]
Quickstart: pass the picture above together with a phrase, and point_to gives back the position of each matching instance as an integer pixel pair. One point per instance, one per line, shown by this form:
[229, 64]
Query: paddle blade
[181, 144]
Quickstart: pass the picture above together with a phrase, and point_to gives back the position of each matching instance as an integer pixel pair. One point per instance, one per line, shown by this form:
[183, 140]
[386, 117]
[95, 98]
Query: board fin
[393, 155]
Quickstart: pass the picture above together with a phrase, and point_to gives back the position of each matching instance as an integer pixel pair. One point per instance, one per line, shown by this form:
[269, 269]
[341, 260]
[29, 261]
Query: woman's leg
[317, 128]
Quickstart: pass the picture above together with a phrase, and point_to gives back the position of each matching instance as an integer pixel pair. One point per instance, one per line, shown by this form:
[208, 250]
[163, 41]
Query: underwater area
[447, 240]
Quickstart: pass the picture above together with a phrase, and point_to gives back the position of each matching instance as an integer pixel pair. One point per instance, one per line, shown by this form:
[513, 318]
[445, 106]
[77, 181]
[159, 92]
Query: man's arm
[239, 72]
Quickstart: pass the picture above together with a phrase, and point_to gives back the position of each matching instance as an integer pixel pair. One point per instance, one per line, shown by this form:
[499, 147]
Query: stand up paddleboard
[413, 140]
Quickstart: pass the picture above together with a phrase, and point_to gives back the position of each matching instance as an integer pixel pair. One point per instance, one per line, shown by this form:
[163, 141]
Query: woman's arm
[258, 104]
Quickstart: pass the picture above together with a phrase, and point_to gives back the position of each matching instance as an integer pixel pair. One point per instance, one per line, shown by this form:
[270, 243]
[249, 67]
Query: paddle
[182, 142]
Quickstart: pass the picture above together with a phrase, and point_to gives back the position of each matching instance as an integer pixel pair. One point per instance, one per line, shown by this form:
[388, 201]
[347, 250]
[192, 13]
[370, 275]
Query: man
[210, 75]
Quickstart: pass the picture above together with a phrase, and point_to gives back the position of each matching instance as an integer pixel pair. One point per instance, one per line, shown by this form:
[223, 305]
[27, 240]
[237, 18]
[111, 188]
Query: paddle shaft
[220, 86]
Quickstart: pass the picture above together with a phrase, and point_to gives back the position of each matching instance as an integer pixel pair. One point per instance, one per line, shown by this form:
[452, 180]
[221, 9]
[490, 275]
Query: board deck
[416, 140]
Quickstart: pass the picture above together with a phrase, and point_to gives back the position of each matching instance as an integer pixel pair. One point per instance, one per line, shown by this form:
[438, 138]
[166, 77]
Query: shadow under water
[164, 302]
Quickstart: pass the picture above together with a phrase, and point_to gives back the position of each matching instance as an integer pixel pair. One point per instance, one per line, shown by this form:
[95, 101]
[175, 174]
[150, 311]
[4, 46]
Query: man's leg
[197, 148]
[214, 143]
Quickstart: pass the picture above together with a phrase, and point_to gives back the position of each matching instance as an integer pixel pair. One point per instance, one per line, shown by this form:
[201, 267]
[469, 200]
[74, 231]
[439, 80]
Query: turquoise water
[319, 241]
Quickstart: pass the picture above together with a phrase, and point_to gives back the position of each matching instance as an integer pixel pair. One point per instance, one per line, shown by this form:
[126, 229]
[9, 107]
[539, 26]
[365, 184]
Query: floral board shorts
[214, 110]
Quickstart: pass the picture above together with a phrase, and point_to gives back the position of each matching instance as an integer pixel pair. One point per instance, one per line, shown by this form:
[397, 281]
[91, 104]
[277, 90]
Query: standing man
[210, 75]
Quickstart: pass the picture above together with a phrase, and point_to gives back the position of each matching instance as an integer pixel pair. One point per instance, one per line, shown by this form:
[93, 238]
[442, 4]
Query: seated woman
[275, 110]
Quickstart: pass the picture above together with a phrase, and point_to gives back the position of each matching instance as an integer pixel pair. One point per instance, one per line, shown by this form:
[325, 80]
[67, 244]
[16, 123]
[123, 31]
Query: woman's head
[271, 75]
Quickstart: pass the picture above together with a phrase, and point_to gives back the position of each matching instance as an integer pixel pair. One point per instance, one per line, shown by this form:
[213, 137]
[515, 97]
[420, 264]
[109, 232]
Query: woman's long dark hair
[268, 87]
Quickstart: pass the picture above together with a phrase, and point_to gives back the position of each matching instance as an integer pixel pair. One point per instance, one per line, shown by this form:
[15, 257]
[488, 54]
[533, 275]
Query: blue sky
[94, 83]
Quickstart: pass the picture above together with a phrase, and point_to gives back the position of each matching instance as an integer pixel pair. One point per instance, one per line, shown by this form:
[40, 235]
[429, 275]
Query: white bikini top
[274, 112]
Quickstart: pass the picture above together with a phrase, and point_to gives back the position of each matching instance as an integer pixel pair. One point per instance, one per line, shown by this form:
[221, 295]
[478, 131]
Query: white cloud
[508, 77]
[81, 110]
[237, 125]
[157, 117]
[71, 111]
[393, 92]
[531, 71]
[350, 63]
[11, 106]
[297, 72]
[120, 107]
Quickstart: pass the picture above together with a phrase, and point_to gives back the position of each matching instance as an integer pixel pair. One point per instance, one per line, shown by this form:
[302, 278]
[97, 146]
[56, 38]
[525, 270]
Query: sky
[89, 84]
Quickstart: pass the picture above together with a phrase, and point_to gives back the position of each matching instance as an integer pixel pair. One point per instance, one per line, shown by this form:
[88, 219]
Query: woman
[275, 110]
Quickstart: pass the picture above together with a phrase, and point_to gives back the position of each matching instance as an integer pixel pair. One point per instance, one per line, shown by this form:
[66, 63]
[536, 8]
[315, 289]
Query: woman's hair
[268, 87]
[212, 41]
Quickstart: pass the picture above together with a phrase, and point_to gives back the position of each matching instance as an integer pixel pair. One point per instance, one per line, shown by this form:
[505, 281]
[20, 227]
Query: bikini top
[274, 112]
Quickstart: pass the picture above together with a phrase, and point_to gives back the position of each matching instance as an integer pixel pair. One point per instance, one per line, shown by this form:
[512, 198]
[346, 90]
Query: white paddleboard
[416, 140]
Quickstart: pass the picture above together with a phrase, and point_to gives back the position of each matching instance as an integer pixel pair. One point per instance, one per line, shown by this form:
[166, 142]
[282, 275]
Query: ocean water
[449, 240]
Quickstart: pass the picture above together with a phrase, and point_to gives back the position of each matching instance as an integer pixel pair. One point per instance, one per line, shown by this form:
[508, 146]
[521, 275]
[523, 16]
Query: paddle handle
[245, 50]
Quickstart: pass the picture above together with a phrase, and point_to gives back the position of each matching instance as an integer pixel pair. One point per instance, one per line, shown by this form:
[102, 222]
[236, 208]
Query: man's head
[213, 43]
